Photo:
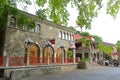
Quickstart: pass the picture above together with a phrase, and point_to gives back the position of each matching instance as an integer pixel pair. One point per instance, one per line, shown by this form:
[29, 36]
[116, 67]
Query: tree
[72, 28]
[98, 39]
[10, 7]
[85, 42]
[105, 48]
[118, 46]
[85, 34]
[57, 10]
[113, 7]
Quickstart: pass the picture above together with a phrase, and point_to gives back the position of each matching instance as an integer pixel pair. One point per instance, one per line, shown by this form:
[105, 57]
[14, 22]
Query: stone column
[41, 54]
[74, 56]
[48, 59]
[90, 56]
[83, 54]
[6, 61]
[28, 57]
[55, 57]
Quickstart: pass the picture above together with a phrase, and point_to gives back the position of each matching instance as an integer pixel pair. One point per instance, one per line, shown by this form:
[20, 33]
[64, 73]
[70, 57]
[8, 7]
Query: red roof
[77, 36]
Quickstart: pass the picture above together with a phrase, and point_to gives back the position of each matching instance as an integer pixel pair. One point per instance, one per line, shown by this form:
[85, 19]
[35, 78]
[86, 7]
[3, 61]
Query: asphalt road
[104, 73]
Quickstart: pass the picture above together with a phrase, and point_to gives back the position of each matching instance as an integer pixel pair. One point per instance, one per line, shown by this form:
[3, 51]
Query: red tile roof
[77, 36]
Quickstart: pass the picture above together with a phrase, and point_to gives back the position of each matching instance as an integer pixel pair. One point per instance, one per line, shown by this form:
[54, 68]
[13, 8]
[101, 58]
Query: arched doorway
[34, 53]
[60, 54]
[48, 54]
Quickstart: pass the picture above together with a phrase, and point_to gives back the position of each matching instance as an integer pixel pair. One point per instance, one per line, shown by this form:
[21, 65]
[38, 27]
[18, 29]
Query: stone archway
[48, 54]
[60, 55]
[34, 53]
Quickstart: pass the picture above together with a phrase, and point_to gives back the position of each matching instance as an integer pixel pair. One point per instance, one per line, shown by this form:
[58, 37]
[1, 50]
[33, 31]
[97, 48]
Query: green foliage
[98, 39]
[88, 9]
[85, 33]
[84, 60]
[42, 14]
[9, 7]
[105, 48]
[77, 32]
[72, 28]
[118, 46]
[113, 7]
[23, 20]
[69, 54]
[57, 10]
[107, 56]
[84, 42]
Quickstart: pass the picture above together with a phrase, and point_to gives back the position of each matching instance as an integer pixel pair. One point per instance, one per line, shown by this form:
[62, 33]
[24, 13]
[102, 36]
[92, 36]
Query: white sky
[104, 25]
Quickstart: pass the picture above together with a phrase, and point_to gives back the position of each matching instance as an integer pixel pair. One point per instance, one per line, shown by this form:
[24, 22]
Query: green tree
[105, 48]
[10, 7]
[72, 28]
[118, 46]
[85, 42]
[113, 7]
[57, 10]
[85, 34]
[98, 39]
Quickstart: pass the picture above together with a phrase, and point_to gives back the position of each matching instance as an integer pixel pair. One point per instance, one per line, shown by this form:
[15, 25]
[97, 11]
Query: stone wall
[15, 39]
[21, 72]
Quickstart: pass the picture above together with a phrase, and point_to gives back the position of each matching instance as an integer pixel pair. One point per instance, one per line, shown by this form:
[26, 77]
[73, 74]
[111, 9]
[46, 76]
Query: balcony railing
[7, 61]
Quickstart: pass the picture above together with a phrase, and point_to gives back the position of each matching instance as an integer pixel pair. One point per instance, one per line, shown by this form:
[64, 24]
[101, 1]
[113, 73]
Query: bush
[84, 60]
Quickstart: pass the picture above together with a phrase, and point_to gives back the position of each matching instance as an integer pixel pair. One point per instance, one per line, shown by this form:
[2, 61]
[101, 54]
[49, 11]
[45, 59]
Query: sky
[104, 25]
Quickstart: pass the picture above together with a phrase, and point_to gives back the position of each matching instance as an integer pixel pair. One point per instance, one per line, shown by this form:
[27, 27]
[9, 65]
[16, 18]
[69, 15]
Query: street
[104, 73]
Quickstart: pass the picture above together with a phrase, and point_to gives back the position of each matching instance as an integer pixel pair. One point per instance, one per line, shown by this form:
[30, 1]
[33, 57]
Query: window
[64, 35]
[12, 22]
[60, 34]
[72, 37]
[38, 28]
[25, 28]
[67, 36]
[32, 29]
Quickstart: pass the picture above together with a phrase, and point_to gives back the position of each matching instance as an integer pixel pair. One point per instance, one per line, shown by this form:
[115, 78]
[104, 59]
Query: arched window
[12, 21]
[64, 35]
[67, 36]
[72, 37]
[60, 34]
[38, 28]
[32, 29]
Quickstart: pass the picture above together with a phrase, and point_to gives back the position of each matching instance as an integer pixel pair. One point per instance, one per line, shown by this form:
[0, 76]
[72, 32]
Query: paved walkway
[93, 73]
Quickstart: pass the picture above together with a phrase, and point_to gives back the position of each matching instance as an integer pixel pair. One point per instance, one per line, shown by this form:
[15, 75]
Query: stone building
[48, 42]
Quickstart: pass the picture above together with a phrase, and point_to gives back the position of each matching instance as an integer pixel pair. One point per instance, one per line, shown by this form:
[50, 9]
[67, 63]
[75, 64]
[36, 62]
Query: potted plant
[82, 64]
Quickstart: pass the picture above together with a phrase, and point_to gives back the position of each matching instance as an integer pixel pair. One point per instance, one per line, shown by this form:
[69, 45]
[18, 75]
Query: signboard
[72, 44]
[52, 41]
